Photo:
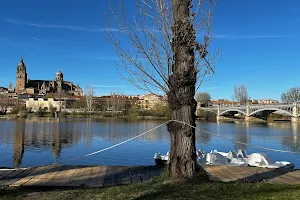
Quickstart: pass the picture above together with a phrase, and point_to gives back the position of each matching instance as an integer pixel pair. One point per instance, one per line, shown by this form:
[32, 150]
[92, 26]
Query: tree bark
[182, 91]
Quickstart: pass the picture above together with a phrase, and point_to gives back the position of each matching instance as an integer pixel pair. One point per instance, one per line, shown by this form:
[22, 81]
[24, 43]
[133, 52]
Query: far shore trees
[241, 94]
[292, 95]
[3, 103]
[203, 98]
[165, 46]
[89, 97]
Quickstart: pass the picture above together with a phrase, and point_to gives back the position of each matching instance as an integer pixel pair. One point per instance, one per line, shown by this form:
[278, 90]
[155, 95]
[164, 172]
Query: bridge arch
[271, 109]
[230, 110]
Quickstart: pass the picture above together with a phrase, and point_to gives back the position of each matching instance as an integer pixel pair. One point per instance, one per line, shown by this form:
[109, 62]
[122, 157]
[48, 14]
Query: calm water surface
[42, 141]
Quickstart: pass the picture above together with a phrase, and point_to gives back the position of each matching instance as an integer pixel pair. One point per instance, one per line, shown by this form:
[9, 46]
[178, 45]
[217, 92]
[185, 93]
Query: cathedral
[59, 85]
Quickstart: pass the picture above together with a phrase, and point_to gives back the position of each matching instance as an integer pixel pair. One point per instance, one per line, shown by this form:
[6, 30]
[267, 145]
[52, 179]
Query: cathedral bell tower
[59, 81]
[21, 77]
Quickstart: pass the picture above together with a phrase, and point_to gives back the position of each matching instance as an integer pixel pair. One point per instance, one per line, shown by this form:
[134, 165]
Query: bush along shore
[160, 112]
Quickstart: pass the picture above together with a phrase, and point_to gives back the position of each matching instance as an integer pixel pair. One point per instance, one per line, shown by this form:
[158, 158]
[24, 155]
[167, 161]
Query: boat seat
[242, 153]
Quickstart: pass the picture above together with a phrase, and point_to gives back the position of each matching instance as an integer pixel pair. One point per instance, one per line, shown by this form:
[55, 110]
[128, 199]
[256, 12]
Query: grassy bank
[161, 188]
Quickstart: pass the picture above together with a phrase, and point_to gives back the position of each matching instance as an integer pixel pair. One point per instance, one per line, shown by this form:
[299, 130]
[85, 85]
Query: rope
[224, 138]
[215, 135]
[105, 149]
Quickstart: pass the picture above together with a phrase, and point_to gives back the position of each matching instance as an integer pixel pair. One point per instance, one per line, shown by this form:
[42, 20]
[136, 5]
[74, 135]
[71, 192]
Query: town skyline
[142, 92]
[256, 51]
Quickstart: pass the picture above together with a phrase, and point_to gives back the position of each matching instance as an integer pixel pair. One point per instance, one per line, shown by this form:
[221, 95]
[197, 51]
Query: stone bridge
[251, 111]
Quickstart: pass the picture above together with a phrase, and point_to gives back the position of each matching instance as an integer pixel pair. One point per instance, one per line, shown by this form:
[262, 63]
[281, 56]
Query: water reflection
[41, 141]
[243, 137]
[18, 147]
[203, 137]
[291, 140]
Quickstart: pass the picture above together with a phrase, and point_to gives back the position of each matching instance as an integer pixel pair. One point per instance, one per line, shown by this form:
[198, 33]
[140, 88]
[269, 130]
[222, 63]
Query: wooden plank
[228, 174]
[245, 174]
[144, 174]
[11, 176]
[2, 171]
[97, 177]
[109, 176]
[61, 178]
[282, 180]
[239, 173]
[19, 177]
[42, 176]
[152, 173]
[118, 175]
[75, 177]
[126, 176]
[36, 171]
[6, 173]
[80, 176]
[221, 173]
[135, 175]
[252, 174]
[295, 173]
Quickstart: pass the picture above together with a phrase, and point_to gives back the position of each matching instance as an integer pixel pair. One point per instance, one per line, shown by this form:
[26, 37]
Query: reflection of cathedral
[56, 144]
[24, 85]
[19, 143]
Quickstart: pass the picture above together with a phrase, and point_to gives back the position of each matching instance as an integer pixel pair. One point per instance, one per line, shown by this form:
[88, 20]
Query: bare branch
[144, 42]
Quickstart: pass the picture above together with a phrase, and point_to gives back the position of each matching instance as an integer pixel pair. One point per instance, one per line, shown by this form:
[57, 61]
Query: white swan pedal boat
[232, 158]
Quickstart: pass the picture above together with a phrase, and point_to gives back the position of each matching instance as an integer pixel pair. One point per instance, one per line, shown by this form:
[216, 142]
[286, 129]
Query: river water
[42, 141]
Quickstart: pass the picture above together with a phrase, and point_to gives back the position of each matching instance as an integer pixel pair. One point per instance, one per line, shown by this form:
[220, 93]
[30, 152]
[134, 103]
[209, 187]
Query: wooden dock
[252, 174]
[105, 176]
[77, 176]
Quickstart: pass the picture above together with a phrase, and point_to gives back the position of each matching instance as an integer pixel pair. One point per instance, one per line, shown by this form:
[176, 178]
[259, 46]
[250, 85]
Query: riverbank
[162, 188]
[129, 117]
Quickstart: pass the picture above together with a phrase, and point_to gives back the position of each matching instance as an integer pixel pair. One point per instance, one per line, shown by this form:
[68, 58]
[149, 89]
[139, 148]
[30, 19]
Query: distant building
[223, 102]
[36, 104]
[117, 102]
[3, 90]
[267, 101]
[27, 86]
[148, 101]
[114, 102]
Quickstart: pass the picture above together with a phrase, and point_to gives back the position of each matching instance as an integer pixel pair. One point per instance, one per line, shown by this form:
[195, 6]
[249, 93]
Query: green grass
[162, 188]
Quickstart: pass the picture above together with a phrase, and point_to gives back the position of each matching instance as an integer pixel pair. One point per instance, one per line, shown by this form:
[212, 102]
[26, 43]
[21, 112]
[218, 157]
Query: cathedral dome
[59, 75]
[21, 66]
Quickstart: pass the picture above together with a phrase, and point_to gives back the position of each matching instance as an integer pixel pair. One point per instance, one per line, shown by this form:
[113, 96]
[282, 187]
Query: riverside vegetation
[159, 110]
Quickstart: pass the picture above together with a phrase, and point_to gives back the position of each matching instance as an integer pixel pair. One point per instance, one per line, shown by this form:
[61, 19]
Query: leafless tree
[292, 95]
[240, 94]
[89, 97]
[165, 46]
[3, 103]
[203, 98]
[117, 102]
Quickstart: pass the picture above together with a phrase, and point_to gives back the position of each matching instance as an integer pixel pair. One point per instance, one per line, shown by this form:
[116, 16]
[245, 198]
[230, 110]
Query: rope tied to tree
[144, 133]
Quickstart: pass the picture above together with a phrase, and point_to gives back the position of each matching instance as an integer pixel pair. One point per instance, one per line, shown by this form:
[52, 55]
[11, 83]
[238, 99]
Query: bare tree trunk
[181, 95]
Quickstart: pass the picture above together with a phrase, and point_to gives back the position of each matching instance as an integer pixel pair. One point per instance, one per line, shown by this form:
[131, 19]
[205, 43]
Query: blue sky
[259, 42]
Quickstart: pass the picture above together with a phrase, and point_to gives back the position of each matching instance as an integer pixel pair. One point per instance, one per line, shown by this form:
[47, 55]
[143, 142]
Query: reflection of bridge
[251, 111]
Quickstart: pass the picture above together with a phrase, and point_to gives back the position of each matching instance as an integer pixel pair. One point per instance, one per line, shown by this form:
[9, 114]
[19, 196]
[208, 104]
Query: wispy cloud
[41, 25]
[108, 86]
[35, 38]
[236, 37]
